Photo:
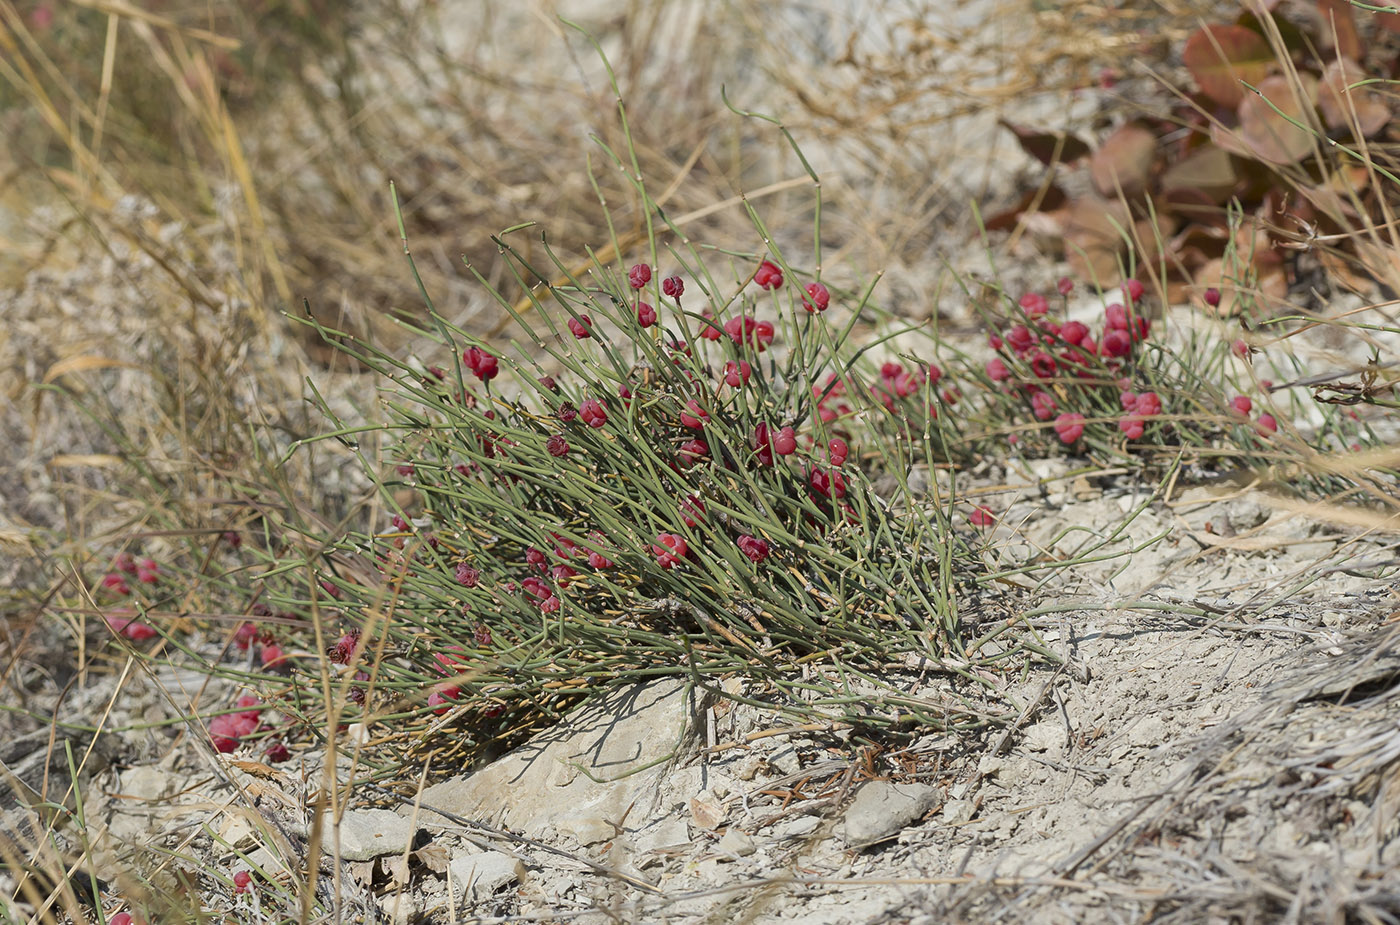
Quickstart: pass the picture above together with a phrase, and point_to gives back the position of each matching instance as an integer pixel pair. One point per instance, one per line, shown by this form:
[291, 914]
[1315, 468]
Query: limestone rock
[883, 808]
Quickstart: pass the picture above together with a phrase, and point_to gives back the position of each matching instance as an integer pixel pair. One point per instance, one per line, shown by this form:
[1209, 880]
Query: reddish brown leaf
[1273, 121]
[1048, 147]
[1339, 97]
[1008, 219]
[1339, 15]
[1124, 161]
[1207, 170]
[1219, 57]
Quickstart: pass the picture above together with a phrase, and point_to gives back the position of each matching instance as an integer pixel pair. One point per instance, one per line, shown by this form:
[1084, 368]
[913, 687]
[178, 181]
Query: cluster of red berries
[123, 621]
[227, 729]
[1048, 362]
[250, 634]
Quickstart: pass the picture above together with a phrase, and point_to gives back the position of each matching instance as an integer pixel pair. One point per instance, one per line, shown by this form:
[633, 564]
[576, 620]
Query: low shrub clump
[681, 468]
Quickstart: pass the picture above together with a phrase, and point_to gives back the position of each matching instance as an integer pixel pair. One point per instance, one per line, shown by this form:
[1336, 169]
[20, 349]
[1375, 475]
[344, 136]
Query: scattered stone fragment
[736, 842]
[366, 834]
[958, 811]
[882, 808]
[799, 827]
[1046, 737]
[481, 875]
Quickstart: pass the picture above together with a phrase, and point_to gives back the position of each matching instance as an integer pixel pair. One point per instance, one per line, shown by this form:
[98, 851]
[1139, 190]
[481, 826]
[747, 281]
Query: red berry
[567, 412]
[673, 286]
[440, 700]
[242, 881]
[785, 442]
[1074, 332]
[1241, 404]
[1148, 404]
[1034, 304]
[997, 370]
[639, 276]
[769, 275]
[1268, 424]
[694, 416]
[1132, 290]
[1043, 365]
[934, 374]
[131, 628]
[598, 560]
[1070, 427]
[467, 576]
[557, 446]
[582, 326]
[828, 483]
[1117, 343]
[1065, 285]
[245, 635]
[124, 562]
[1043, 406]
[763, 444]
[646, 315]
[1116, 317]
[593, 413]
[837, 450]
[272, 656]
[550, 604]
[482, 364]
[817, 299]
[1131, 425]
[982, 516]
[1212, 297]
[344, 648]
[115, 583]
[749, 332]
[233, 538]
[669, 549]
[278, 752]
[753, 547]
[692, 451]
[692, 511]
[121, 918]
[736, 374]
[709, 330]
[1240, 349]
[1020, 338]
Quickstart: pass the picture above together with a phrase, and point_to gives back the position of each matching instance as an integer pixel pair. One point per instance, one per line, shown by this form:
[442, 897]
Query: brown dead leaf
[1124, 161]
[1340, 99]
[433, 856]
[398, 869]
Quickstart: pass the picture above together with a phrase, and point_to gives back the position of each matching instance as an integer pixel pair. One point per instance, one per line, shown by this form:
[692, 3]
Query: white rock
[883, 808]
[366, 834]
[481, 875]
[1046, 737]
[956, 811]
[621, 741]
[737, 843]
[147, 782]
[800, 827]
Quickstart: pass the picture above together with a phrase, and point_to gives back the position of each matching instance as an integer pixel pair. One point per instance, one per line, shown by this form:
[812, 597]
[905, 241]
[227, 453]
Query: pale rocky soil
[1228, 763]
[1221, 745]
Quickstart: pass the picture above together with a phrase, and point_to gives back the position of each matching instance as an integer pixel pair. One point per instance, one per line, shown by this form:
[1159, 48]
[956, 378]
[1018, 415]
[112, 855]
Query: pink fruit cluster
[226, 729]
